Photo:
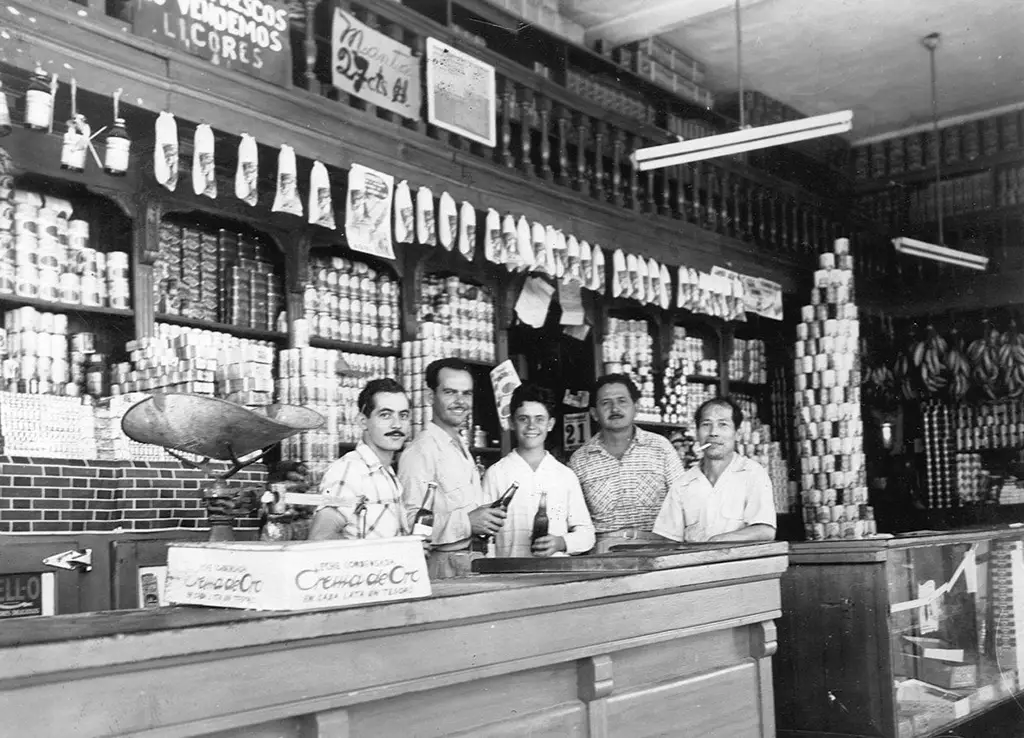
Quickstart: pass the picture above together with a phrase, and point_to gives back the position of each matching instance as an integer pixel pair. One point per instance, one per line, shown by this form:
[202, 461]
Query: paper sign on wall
[575, 430]
[504, 380]
[368, 211]
[375, 67]
[460, 93]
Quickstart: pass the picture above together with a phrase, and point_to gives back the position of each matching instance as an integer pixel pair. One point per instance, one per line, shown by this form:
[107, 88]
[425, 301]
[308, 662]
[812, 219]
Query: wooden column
[146, 248]
[582, 126]
[526, 110]
[544, 112]
[618, 147]
[596, 684]
[563, 127]
[597, 184]
[503, 152]
[309, 47]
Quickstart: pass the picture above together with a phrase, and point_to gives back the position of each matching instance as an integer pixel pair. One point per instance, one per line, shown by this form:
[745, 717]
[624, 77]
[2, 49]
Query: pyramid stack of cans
[318, 379]
[829, 430]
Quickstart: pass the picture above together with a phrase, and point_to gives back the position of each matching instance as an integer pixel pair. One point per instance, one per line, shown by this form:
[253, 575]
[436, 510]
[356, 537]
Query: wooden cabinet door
[30, 588]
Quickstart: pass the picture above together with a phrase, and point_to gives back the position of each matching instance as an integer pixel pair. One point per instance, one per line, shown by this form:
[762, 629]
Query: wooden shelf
[748, 386]
[659, 426]
[8, 299]
[479, 363]
[355, 348]
[702, 379]
[975, 166]
[234, 330]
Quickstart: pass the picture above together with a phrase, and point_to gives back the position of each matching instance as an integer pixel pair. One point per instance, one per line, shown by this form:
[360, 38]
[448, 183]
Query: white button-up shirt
[694, 510]
[357, 475]
[436, 456]
[567, 510]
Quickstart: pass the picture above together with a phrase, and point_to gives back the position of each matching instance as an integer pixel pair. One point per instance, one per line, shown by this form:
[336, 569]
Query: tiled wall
[63, 495]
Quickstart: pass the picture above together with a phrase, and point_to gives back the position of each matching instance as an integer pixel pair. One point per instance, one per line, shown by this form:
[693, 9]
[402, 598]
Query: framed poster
[461, 93]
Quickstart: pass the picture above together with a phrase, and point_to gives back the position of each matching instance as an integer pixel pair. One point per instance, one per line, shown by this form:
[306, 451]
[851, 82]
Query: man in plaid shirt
[625, 471]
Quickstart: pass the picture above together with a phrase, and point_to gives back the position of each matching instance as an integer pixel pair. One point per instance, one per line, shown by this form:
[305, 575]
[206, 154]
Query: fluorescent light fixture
[748, 139]
[926, 250]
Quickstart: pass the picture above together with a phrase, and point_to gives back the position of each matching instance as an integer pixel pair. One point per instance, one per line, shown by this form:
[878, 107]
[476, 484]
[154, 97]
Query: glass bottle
[423, 523]
[540, 520]
[115, 160]
[38, 102]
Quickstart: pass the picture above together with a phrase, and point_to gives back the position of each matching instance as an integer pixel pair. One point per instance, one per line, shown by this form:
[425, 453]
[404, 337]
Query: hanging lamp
[924, 249]
[745, 139]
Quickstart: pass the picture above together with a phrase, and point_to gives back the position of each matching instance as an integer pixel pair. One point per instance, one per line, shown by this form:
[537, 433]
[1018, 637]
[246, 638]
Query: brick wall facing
[62, 495]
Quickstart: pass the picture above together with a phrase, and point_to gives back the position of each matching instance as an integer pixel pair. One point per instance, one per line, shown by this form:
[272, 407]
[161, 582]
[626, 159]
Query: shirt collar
[640, 438]
[738, 464]
[440, 435]
[369, 456]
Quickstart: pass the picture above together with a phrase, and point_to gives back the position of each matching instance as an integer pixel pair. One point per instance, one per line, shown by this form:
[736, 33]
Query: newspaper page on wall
[460, 93]
[368, 211]
[375, 67]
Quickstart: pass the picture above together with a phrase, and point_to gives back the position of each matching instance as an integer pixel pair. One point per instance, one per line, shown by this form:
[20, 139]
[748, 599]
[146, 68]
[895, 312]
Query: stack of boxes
[610, 95]
[111, 442]
[47, 426]
[316, 378]
[456, 316]
[668, 68]
[45, 254]
[544, 14]
[180, 359]
[628, 348]
[216, 275]
[348, 301]
[754, 440]
[748, 363]
[828, 414]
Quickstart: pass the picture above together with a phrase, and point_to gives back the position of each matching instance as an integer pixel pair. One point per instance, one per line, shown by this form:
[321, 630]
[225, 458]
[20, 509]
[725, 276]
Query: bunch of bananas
[983, 354]
[902, 375]
[929, 361]
[958, 367]
[879, 385]
[1010, 358]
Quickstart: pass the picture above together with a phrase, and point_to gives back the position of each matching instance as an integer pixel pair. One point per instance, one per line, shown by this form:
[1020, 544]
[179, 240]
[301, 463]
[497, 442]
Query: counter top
[877, 549]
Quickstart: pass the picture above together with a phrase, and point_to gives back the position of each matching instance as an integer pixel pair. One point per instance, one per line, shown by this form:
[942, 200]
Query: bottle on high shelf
[423, 523]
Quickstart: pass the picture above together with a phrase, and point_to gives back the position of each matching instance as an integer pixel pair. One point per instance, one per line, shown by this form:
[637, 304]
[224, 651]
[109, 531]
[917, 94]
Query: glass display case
[900, 637]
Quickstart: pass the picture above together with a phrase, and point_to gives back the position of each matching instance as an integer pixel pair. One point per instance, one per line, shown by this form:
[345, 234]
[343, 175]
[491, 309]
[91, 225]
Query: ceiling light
[926, 250]
[726, 144]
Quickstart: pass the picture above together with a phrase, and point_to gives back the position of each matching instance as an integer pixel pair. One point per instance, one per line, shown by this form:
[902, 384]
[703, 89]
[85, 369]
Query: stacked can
[829, 429]
[678, 398]
[992, 426]
[111, 442]
[939, 456]
[36, 353]
[971, 478]
[347, 300]
[245, 375]
[747, 363]
[318, 379]
[458, 314]
[1007, 592]
[8, 268]
[180, 359]
[754, 440]
[48, 426]
[416, 357]
[628, 348]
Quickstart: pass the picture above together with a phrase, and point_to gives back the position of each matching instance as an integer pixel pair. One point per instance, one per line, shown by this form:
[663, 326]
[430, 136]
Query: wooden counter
[685, 650]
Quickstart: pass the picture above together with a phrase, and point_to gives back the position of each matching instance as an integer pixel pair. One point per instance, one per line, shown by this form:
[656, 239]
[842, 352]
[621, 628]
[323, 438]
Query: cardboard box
[297, 575]
[948, 674]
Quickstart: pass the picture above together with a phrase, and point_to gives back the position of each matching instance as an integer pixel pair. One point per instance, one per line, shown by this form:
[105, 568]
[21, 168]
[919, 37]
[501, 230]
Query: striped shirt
[436, 456]
[627, 492]
[567, 510]
[359, 476]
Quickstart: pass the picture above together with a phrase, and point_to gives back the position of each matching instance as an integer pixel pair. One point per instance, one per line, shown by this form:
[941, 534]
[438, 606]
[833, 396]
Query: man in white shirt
[440, 455]
[570, 530]
[727, 497]
[370, 497]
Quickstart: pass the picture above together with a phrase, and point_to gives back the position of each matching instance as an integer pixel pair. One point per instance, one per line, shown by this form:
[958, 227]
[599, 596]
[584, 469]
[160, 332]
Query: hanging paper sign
[493, 246]
[374, 67]
[286, 199]
[763, 297]
[447, 221]
[467, 230]
[165, 153]
[321, 204]
[204, 175]
[598, 282]
[404, 213]
[460, 93]
[521, 244]
[504, 380]
[248, 37]
[368, 212]
[247, 172]
[426, 227]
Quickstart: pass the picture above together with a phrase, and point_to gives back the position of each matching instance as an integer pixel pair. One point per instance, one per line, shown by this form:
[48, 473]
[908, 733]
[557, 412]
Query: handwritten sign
[297, 575]
[249, 36]
[368, 64]
[460, 93]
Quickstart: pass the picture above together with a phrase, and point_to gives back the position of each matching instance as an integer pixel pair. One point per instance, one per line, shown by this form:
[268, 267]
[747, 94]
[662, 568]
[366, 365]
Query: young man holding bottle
[370, 497]
[439, 455]
[543, 482]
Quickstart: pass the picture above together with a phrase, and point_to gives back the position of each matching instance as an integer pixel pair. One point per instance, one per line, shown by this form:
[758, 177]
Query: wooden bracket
[595, 678]
[147, 228]
[763, 640]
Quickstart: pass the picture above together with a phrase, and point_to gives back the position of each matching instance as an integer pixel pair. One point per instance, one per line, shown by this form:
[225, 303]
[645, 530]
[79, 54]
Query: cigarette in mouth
[703, 446]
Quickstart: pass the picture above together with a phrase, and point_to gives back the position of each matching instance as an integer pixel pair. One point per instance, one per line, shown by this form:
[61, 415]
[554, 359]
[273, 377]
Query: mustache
[395, 434]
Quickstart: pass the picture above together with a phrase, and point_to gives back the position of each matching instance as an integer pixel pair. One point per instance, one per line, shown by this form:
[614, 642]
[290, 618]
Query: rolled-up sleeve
[671, 521]
[760, 507]
[580, 537]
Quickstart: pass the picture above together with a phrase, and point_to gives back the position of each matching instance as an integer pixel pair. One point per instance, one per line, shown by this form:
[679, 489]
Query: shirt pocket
[733, 506]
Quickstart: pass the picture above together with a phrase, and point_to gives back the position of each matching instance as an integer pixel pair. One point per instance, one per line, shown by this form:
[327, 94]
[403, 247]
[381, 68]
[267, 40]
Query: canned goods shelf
[358, 348]
[702, 379]
[234, 330]
[35, 302]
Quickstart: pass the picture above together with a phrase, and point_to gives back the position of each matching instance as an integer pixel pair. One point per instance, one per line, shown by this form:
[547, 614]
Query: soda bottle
[423, 523]
[540, 520]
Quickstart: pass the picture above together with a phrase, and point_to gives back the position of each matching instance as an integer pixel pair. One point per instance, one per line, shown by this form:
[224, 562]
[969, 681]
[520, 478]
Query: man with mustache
[625, 471]
[440, 455]
[369, 495]
[727, 497]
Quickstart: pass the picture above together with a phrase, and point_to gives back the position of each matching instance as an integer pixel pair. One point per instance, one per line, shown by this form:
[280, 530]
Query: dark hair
[367, 400]
[434, 369]
[622, 379]
[737, 413]
[528, 393]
